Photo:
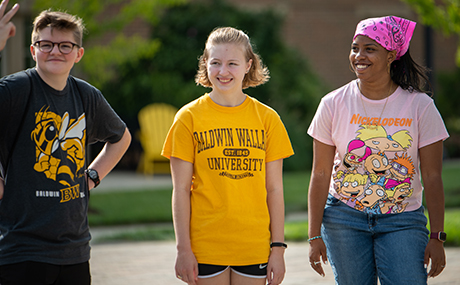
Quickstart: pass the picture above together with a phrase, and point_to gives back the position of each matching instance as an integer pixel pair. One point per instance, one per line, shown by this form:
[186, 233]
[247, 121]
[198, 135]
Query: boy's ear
[32, 52]
[80, 53]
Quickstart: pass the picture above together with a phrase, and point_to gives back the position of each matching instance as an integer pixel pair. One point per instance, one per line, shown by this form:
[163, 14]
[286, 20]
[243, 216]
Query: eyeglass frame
[58, 45]
[399, 167]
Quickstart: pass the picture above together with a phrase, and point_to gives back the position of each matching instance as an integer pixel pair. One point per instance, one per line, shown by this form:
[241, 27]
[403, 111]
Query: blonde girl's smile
[227, 66]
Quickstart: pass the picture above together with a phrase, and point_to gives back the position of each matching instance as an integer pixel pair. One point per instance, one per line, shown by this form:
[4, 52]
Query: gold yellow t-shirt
[229, 147]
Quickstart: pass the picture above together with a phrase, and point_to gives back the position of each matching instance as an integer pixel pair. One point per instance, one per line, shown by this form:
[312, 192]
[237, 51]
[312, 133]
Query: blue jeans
[363, 247]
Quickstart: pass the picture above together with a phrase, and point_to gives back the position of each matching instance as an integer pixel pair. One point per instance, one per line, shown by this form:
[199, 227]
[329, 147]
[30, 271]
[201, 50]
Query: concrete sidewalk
[153, 263]
[130, 180]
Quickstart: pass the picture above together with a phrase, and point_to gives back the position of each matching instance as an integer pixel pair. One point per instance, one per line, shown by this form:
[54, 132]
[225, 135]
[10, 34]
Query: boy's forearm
[110, 155]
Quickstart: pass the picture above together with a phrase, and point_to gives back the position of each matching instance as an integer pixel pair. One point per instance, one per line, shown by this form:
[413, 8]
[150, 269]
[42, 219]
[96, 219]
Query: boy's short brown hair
[61, 21]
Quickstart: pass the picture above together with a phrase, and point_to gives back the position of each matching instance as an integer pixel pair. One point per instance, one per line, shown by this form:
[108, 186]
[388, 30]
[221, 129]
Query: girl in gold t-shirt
[226, 151]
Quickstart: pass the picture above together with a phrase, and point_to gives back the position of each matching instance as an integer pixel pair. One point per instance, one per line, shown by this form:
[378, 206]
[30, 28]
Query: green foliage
[448, 103]
[442, 15]
[445, 16]
[293, 90]
[102, 60]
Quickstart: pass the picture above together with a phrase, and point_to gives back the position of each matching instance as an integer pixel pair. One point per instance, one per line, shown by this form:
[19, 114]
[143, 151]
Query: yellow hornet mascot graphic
[53, 132]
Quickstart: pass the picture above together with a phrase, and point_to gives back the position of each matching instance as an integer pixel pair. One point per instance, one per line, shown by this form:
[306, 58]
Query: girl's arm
[186, 264]
[275, 200]
[431, 169]
[323, 160]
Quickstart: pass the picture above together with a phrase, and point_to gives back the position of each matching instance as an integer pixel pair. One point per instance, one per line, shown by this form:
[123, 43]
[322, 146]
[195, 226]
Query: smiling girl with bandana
[368, 244]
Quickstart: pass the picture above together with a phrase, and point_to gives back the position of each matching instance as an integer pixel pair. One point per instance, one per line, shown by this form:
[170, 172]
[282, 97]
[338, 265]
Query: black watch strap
[278, 244]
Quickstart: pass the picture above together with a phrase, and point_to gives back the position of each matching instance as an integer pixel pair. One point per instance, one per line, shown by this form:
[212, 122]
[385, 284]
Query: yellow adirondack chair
[155, 121]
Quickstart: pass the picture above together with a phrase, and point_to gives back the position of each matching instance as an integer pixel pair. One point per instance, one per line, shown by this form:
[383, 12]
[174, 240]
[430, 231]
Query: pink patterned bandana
[390, 32]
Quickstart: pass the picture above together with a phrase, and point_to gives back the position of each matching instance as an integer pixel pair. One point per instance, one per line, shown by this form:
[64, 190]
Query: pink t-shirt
[376, 165]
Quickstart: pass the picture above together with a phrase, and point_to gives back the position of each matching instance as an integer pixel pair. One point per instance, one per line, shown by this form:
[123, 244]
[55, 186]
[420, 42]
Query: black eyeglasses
[47, 46]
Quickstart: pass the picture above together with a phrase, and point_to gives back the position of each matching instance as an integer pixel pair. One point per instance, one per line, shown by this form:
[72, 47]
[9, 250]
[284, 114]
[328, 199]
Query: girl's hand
[318, 253]
[435, 251]
[276, 267]
[187, 267]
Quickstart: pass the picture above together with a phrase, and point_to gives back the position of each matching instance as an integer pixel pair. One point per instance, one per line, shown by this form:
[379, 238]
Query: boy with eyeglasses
[47, 120]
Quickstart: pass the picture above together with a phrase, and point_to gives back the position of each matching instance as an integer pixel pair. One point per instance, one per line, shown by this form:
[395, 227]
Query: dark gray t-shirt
[43, 213]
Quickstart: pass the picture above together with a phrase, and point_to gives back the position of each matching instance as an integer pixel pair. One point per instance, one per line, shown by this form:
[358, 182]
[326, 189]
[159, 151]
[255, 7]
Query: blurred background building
[321, 29]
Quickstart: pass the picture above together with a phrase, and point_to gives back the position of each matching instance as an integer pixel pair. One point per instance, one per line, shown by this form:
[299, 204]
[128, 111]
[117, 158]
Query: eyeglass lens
[64, 47]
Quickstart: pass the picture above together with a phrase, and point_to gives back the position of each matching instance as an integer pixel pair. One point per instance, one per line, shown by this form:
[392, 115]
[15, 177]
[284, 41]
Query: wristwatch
[93, 175]
[441, 236]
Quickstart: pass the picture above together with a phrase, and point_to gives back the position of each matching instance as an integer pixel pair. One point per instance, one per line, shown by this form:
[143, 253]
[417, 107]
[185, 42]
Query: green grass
[452, 227]
[295, 191]
[158, 232]
[129, 207]
[146, 206]
[450, 178]
[293, 231]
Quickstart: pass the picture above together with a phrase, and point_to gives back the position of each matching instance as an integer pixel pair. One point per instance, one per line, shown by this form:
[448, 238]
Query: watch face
[92, 174]
[442, 236]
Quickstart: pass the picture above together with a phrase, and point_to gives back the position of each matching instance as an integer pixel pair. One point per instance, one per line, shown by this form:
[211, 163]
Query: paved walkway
[143, 263]
[124, 180]
[153, 263]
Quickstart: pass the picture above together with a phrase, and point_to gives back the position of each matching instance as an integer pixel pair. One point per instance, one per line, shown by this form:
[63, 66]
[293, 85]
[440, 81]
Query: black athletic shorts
[253, 271]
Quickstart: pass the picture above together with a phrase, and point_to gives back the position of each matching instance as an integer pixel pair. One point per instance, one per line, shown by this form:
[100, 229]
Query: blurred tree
[448, 102]
[293, 90]
[102, 60]
[443, 15]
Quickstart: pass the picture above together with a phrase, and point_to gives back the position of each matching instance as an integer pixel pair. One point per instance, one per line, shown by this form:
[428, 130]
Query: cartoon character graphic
[397, 197]
[378, 139]
[53, 132]
[374, 198]
[402, 169]
[357, 152]
[351, 188]
[377, 164]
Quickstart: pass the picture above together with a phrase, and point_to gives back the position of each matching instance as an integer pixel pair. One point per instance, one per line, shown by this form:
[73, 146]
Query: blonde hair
[360, 178]
[258, 73]
[391, 192]
[61, 21]
[368, 132]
